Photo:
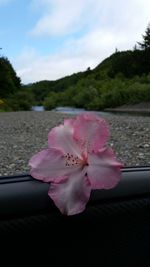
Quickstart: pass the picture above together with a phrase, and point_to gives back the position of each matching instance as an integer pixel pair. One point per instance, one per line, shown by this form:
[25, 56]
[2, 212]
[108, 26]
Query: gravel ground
[22, 134]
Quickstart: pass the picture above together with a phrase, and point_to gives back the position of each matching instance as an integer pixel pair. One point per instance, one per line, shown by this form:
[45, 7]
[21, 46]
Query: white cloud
[63, 16]
[36, 67]
[76, 55]
[106, 25]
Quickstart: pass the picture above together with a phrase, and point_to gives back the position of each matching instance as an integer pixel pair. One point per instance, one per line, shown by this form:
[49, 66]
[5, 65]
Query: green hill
[122, 78]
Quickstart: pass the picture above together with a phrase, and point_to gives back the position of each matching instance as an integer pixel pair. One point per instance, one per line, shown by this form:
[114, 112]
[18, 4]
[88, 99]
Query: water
[68, 110]
[76, 111]
[38, 108]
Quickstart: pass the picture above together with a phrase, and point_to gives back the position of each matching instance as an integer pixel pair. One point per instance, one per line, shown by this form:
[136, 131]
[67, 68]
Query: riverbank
[141, 108]
[23, 134]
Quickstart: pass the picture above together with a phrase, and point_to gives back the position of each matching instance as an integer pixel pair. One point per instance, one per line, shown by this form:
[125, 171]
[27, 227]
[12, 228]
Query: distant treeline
[122, 78]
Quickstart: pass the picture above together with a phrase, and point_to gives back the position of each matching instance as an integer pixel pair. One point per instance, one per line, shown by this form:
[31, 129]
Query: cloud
[77, 55]
[99, 26]
[63, 16]
[32, 67]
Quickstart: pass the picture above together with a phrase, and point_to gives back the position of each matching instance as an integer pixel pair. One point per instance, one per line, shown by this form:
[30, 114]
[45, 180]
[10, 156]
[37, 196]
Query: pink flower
[76, 162]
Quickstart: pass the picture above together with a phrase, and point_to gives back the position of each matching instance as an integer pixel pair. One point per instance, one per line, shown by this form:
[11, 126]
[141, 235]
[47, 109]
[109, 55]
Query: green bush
[51, 101]
[22, 100]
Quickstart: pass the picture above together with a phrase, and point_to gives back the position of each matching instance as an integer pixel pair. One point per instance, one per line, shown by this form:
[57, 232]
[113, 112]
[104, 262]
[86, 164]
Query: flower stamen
[72, 160]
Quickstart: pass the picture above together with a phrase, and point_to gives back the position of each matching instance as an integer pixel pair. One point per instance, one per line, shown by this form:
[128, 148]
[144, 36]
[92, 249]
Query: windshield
[61, 58]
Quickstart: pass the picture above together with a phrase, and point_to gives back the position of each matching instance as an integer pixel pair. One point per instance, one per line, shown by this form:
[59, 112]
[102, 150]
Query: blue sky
[49, 39]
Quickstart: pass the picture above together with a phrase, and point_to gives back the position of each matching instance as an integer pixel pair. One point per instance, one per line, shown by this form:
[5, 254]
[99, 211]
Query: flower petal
[104, 171]
[61, 137]
[71, 195]
[69, 122]
[91, 131]
[49, 165]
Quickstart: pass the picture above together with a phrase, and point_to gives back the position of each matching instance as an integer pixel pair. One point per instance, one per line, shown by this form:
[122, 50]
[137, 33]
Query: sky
[50, 39]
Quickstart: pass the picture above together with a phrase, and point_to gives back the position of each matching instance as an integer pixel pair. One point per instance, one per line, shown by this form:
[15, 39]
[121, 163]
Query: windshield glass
[61, 58]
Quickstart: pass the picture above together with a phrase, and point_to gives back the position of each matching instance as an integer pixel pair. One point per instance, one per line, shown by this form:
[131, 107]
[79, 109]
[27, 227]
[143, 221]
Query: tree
[146, 39]
[135, 48]
[116, 50]
[9, 82]
[21, 100]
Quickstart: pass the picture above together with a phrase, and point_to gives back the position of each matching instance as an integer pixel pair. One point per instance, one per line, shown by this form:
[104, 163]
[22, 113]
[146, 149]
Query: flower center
[72, 160]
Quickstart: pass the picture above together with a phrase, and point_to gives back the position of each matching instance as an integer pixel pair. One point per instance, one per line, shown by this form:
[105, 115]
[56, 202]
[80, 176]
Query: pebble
[24, 133]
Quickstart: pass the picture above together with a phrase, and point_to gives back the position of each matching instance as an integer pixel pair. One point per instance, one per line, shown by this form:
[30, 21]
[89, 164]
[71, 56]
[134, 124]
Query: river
[76, 111]
[67, 110]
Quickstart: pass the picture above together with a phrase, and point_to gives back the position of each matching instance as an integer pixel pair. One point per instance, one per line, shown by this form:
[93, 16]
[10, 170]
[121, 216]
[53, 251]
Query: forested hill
[122, 78]
[126, 63]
